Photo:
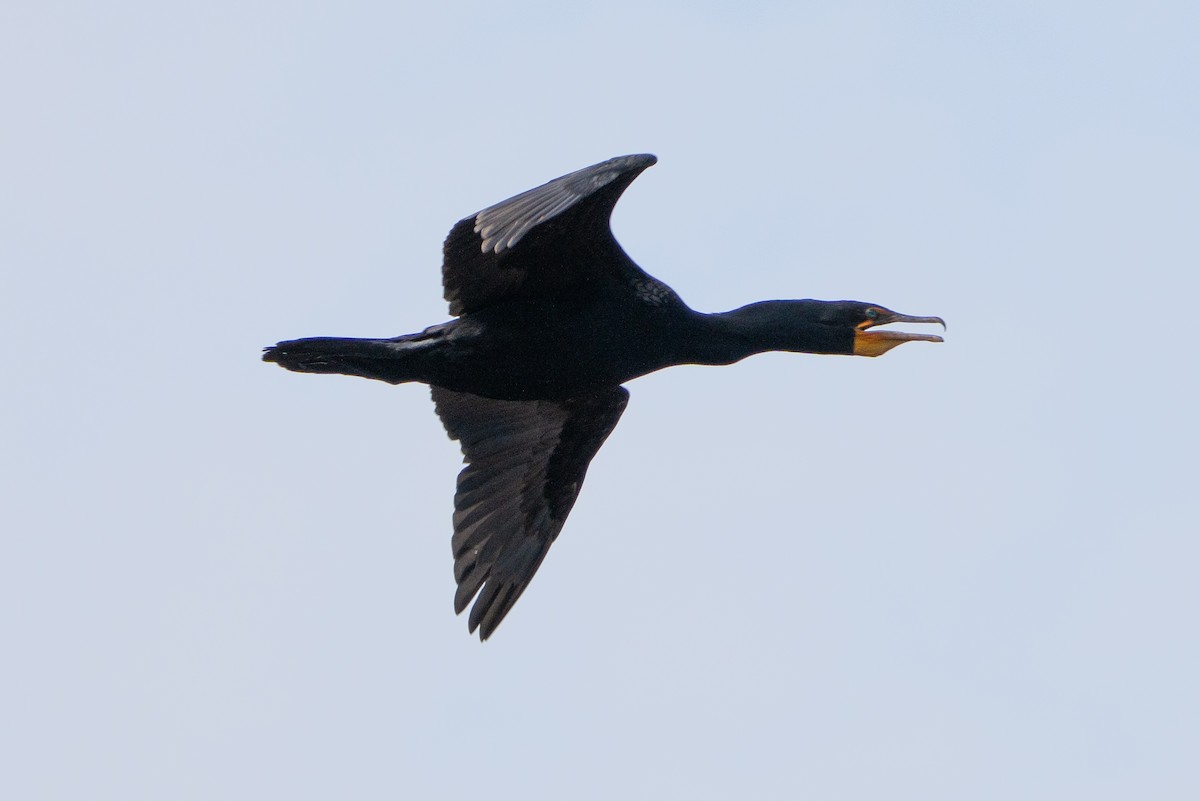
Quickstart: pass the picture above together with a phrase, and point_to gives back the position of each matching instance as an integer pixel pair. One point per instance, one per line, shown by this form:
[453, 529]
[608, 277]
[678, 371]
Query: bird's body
[552, 350]
[553, 317]
[528, 350]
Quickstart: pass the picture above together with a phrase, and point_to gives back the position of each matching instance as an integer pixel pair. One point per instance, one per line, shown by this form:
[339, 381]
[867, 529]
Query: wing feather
[547, 241]
[525, 463]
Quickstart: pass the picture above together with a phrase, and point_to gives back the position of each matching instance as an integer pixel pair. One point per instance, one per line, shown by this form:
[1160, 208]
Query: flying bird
[552, 317]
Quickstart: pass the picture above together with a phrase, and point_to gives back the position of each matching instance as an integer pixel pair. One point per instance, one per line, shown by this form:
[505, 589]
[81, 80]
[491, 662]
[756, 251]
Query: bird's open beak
[877, 343]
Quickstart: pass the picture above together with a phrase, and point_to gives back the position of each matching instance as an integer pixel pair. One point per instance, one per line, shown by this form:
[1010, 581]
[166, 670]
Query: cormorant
[552, 318]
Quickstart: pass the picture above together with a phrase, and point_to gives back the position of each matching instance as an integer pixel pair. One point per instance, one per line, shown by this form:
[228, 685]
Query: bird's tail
[382, 359]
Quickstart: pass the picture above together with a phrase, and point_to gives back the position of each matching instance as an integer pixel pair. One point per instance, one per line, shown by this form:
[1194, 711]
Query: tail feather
[381, 359]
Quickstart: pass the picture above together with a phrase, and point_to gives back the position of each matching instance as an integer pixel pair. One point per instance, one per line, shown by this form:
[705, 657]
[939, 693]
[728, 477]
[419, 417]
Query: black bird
[553, 317]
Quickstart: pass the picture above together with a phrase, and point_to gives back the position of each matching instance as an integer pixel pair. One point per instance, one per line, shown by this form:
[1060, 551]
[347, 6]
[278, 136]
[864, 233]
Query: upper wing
[525, 464]
[544, 242]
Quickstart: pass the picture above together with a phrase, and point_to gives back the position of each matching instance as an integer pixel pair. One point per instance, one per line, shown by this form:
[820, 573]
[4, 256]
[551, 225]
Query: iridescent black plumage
[553, 317]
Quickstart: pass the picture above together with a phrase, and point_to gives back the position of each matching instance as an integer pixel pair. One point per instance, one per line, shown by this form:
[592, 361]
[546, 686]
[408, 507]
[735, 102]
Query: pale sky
[962, 571]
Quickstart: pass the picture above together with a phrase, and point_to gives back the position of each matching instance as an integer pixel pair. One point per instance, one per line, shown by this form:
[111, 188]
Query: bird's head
[862, 318]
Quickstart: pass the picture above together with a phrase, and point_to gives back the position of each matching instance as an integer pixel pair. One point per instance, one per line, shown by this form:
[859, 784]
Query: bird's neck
[783, 325]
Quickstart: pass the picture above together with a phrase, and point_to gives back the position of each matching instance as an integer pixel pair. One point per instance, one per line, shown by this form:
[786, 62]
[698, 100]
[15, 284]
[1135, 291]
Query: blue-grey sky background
[964, 571]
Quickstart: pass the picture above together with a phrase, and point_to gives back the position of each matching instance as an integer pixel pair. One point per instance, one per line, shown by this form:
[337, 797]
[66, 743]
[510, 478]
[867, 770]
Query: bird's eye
[872, 314]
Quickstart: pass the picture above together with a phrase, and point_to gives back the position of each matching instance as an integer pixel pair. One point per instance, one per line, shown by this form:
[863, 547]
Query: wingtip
[633, 161]
[484, 631]
[642, 160]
